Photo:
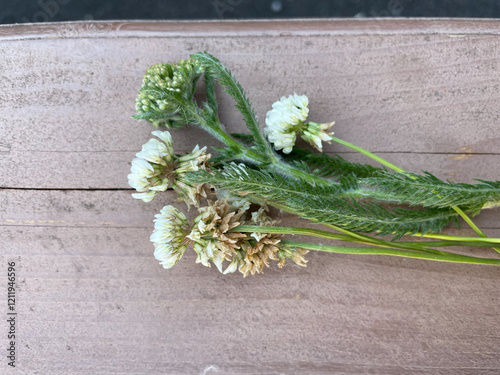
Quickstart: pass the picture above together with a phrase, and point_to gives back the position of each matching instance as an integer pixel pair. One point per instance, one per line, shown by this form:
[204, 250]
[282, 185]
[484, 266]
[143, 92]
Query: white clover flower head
[153, 169]
[314, 133]
[157, 152]
[170, 236]
[285, 121]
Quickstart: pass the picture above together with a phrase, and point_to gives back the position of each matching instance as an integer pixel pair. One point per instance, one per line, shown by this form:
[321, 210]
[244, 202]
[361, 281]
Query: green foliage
[234, 89]
[429, 191]
[243, 180]
[322, 203]
[322, 188]
[330, 166]
[371, 217]
[210, 92]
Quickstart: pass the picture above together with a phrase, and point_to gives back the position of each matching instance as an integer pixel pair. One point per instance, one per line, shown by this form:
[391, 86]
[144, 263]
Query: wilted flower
[169, 236]
[211, 236]
[214, 240]
[257, 248]
[296, 254]
[191, 194]
[236, 202]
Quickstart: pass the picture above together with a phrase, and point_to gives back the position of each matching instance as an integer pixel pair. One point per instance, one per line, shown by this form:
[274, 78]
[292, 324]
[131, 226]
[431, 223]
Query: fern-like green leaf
[429, 191]
[324, 165]
[233, 88]
[321, 203]
[368, 218]
[243, 180]
[210, 91]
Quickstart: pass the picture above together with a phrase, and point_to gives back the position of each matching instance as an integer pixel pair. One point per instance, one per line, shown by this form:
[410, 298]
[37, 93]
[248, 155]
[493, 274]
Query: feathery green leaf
[370, 217]
[243, 180]
[210, 91]
[429, 191]
[233, 88]
[324, 165]
[321, 203]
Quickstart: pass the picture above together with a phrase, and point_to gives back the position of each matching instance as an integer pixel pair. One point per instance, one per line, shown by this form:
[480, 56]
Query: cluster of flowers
[212, 234]
[287, 120]
[180, 78]
[156, 168]
[231, 231]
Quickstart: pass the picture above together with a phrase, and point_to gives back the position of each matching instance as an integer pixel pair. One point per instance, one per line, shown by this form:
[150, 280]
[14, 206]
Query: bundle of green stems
[373, 207]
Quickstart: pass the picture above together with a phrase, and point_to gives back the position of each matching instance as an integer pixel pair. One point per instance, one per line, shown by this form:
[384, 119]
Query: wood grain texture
[92, 299]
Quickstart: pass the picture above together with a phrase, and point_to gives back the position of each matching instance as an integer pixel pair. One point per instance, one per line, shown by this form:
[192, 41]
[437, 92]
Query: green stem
[369, 154]
[445, 243]
[394, 167]
[414, 246]
[218, 133]
[456, 258]
[472, 225]
[487, 240]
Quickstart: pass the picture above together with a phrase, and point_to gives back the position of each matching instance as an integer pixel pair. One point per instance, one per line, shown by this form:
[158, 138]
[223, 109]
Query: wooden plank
[275, 27]
[93, 300]
[93, 291]
[435, 89]
[92, 305]
[88, 309]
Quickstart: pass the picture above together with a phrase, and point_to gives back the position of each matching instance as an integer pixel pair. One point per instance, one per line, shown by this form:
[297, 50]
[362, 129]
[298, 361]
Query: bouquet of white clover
[233, 190]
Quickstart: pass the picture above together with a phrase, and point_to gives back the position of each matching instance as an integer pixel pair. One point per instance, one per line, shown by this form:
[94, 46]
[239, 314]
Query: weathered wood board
[91, 299]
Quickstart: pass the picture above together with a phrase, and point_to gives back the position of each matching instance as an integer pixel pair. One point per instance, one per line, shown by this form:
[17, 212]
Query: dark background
[22, 11]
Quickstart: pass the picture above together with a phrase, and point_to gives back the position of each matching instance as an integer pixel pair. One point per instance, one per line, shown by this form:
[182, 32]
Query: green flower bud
[159, 83]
